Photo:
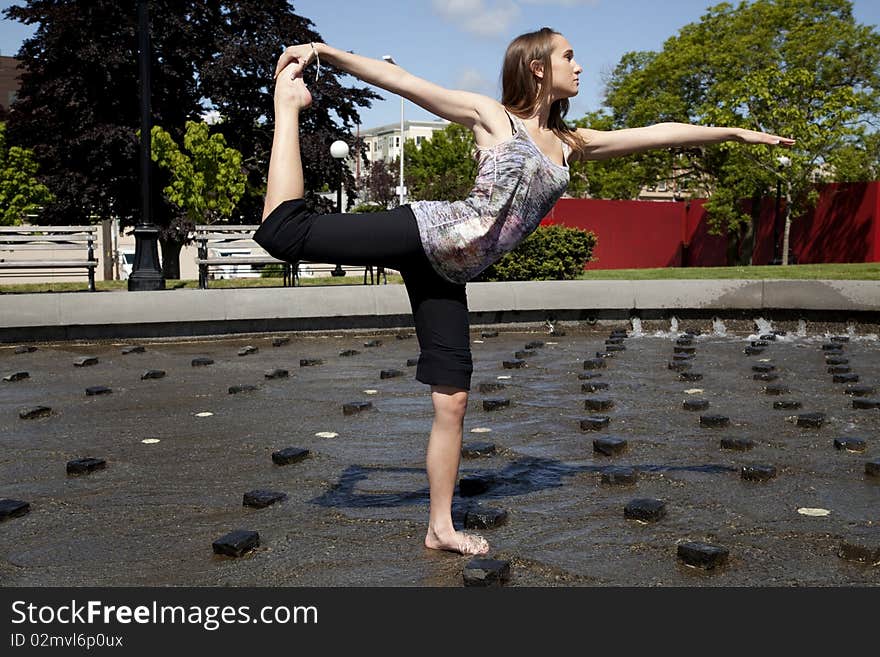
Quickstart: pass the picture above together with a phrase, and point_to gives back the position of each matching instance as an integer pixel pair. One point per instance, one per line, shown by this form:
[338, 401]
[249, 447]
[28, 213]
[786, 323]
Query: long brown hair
[521, 92]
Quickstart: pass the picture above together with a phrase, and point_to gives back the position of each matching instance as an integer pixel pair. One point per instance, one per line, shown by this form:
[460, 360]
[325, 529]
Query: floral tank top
[517, 185]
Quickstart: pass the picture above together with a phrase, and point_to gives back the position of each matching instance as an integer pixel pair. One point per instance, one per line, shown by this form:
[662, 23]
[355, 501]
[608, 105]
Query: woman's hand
[754, 137]
[300, 55]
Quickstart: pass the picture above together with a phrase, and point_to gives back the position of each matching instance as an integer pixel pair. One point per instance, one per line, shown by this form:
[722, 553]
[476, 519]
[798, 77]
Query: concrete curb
[202, 312]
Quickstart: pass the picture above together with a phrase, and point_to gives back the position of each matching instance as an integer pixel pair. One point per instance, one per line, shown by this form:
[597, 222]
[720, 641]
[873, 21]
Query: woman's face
[566, 70]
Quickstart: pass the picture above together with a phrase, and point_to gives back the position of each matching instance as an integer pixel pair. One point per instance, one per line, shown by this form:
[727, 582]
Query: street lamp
[401, 189]
[145, 274]
[339, 150]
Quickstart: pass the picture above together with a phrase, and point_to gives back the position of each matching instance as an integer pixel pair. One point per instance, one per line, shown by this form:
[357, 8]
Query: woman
[523, 150]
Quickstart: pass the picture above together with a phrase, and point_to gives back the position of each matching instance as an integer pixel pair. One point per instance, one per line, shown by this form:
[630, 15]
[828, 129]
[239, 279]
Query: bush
[551, 253]
[271, 271]
[369, 207]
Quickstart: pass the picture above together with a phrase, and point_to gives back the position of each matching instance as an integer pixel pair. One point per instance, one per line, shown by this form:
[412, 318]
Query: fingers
[293, 69]
[283, 61]
[782, 141]
[291, 64]
[771, 140]
[301, 55]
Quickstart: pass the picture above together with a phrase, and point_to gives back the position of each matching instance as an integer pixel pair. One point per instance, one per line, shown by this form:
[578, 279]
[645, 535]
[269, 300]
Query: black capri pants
[386, 239]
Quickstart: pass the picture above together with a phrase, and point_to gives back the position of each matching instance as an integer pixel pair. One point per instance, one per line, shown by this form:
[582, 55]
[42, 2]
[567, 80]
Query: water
[366, 486]
[763, 326]
[637, 327]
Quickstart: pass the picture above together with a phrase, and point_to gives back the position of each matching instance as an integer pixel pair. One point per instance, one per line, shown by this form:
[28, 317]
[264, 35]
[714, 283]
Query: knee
[450, 404]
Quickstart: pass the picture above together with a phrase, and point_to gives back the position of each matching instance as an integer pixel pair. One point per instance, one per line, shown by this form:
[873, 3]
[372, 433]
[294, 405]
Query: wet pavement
[181, 452]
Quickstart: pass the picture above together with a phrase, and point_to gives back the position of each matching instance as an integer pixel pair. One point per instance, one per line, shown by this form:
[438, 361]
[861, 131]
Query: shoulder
[586, 140]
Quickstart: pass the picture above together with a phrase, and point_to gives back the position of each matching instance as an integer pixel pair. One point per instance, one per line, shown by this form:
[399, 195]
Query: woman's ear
[536, 66]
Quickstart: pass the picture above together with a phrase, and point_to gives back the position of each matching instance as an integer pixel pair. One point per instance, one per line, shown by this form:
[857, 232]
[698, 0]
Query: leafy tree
[78, 105]
[380, 184]
[368, 207]
[800, 68]
[205, 183]
[248, 35]
[208, 181]
[855, 163]
[20, 192]
[444, 168]
[619, 178]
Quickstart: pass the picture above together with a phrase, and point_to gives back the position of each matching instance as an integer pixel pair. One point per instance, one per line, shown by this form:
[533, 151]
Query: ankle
[440, 529]
[286, 110]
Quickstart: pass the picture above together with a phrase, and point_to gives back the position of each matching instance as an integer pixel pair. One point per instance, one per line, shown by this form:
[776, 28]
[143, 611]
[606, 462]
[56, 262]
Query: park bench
[241, 249]
[77, 243]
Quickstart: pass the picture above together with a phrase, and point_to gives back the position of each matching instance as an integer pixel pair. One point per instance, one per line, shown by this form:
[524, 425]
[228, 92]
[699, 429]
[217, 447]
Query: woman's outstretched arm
[461, 107]
[605, 144]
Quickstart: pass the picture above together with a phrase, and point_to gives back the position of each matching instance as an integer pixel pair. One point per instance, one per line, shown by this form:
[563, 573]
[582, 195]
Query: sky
[459, 44]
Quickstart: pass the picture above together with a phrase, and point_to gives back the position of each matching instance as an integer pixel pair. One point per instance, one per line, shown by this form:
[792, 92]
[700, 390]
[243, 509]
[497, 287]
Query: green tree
[20, 191]
[236, 79]
[444, 168]
[205, 182]
[380, 183]
[800, 68]
[619, 178]
[856, 162]
[78, 105]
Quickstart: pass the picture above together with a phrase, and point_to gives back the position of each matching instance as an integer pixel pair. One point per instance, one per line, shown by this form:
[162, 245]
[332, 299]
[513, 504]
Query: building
[9, 82]
[383, 143]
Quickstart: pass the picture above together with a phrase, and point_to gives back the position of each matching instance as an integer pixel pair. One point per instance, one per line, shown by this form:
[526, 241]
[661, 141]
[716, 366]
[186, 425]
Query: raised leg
[285, 179]
[443, 457]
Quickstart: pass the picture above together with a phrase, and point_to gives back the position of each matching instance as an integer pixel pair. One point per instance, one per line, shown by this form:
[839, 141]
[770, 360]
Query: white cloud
[478, 16]
[563, 3]
[493, 17]
[470, 79]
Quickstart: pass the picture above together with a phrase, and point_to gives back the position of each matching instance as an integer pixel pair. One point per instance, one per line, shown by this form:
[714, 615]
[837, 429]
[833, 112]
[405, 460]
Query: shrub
[551, 253]
[368, 207]
[271, 270]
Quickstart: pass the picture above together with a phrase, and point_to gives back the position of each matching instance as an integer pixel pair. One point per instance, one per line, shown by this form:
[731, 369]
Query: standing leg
[441, 318]
[443, 457]
[285, 180]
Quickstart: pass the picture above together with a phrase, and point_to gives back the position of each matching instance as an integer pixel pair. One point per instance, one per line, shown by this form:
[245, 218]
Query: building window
[661, 186]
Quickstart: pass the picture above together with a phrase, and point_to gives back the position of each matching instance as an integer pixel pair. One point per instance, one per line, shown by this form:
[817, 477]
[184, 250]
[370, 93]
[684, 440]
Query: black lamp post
[339, 150]
[145, 274]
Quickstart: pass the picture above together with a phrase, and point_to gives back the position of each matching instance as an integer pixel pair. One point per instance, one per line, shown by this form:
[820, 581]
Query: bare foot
[457, 542]
[292, 92]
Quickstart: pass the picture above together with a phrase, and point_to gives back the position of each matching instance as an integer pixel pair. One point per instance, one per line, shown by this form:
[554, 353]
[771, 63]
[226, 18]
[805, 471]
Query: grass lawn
[172, 284]
[869, 271]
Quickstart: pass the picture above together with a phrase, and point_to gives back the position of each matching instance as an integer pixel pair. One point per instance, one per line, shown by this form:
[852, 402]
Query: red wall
[844, 227]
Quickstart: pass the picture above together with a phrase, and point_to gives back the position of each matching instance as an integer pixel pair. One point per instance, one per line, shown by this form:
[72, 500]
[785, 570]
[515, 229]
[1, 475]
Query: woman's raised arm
[605, 144]
[461, 107]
